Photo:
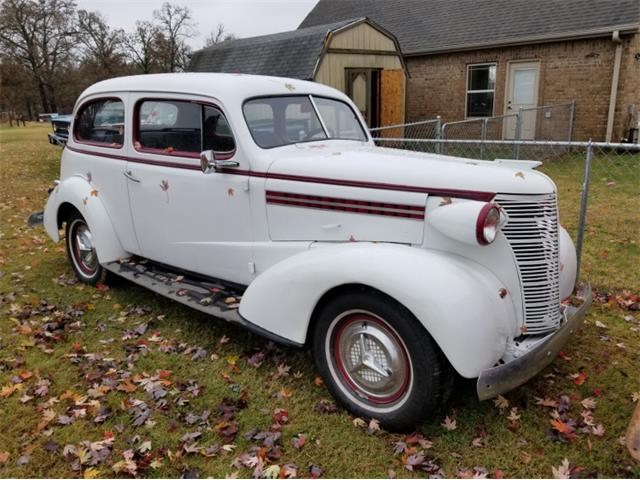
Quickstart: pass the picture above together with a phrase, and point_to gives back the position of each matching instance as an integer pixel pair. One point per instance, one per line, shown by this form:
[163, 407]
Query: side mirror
[209, 164]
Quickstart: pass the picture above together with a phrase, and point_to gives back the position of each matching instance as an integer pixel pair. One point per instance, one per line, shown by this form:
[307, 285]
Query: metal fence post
[438, 133]
[518, 132]
[483, 137]
[572, 112]
[582, 220]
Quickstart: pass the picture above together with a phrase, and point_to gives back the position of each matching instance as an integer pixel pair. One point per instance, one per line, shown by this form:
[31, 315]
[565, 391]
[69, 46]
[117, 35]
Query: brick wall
[578, 70]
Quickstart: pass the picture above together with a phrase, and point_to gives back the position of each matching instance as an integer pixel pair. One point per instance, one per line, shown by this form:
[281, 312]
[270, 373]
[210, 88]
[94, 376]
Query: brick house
[482, 58]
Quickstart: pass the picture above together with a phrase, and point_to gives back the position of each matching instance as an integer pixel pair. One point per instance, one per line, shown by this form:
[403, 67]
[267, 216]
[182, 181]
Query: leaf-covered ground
[102, 382]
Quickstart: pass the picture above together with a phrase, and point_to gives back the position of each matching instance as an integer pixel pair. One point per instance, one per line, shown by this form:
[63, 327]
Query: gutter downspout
[614, 84]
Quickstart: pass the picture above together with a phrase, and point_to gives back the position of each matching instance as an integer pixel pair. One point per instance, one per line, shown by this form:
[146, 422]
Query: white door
[183, 217]
[522, 92]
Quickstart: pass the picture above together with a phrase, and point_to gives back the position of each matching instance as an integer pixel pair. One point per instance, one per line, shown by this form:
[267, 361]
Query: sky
[243, 18]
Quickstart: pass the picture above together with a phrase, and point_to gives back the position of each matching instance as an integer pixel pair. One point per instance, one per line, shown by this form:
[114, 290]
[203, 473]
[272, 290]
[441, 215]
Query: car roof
[230, 87]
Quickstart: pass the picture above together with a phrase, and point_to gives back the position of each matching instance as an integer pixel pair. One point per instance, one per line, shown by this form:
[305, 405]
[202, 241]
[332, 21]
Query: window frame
[467, 91]
[310, 96]
[81, 109]
[135, 128]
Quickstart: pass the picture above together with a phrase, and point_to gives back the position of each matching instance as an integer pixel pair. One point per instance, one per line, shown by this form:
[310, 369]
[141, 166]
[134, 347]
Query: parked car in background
[264, 201]
[60, 125]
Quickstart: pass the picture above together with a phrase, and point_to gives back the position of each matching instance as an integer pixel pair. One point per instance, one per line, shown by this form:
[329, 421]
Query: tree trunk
[27, 102]
[44, 101]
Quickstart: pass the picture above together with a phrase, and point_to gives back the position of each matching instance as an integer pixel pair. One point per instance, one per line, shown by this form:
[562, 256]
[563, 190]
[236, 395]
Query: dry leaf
[501, 402]
[563, 471]
[449, 424]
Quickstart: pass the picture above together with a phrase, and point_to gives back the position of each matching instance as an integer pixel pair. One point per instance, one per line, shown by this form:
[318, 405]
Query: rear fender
[79, 193]
[458, 301]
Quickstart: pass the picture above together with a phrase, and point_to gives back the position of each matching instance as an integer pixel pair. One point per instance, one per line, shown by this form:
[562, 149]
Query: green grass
[30, 266]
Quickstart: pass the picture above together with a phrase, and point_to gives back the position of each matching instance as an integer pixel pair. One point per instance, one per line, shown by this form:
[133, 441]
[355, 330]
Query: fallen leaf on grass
[4, 456]
[598, 430]
[562, 471]
[501, 402]
[449, 424]
[91, 473]
[478, 442]
[546, 402]
[299, 441]
[272, 471]
[579, 378]
[326, 406]
[9, 389]
[358, 422]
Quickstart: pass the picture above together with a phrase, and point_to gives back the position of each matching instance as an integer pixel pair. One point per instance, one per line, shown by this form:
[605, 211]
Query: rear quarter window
[101, 123]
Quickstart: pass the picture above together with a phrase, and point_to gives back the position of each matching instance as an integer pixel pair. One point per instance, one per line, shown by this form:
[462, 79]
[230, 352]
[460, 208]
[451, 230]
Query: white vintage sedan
[264, 201]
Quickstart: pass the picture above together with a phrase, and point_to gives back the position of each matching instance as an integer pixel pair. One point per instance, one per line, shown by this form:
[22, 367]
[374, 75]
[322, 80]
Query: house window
[481, 89]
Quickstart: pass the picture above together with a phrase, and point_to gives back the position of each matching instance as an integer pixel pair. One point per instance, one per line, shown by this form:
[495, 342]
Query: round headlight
[488, 224]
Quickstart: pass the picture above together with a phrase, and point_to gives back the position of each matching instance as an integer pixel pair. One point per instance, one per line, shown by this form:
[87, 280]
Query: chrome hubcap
[85, 251]
[371, 358]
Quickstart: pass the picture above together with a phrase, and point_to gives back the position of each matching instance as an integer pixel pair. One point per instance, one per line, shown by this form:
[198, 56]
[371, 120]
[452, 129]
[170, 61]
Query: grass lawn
[98, 382]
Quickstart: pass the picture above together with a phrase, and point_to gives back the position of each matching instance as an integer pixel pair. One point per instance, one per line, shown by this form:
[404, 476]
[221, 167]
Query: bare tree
[175, 25]
[101, 45]
[217, 36]
[140, 46]
[39, 34]
[17, 92]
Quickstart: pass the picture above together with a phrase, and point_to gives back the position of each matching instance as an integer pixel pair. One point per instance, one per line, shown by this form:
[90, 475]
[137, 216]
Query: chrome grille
[532, 232]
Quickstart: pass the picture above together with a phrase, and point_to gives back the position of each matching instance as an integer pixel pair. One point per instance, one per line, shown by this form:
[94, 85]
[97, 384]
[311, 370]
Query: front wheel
[82, 252]
[378, 360]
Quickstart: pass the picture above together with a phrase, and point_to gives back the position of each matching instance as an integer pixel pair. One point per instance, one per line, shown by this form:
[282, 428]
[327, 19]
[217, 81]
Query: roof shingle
[288, 54]
[429, 26]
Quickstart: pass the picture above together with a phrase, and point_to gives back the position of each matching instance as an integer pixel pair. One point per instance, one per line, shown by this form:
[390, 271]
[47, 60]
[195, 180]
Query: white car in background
[264, 201]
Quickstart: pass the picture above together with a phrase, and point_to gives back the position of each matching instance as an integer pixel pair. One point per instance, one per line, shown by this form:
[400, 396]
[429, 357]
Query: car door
[95, 150]
[183, 217]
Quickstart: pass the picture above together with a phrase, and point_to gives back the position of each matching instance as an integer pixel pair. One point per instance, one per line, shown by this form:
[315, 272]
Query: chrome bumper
[497, 380]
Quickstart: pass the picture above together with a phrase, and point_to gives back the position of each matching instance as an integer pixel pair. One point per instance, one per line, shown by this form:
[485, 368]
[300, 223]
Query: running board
[210, 296]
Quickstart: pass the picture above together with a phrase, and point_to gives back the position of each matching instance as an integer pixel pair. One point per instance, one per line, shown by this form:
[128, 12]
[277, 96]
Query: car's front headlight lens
[488, 224]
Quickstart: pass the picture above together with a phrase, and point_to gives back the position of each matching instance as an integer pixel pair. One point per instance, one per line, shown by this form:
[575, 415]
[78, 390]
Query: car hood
[364, 165]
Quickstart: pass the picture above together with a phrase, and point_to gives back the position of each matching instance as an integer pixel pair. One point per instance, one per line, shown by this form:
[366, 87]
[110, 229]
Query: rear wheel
[81, 251]
[378, 360]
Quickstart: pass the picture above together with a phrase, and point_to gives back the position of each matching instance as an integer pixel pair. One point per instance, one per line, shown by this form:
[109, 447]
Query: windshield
[278, 121]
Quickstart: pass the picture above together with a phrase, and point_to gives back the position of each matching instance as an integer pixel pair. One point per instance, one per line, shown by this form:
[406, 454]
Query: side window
[175, 127]
[101, 122]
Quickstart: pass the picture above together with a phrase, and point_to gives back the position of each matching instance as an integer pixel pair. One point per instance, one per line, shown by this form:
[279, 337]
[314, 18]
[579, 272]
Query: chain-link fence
[546, 123]
[423, 129]
[605, 177]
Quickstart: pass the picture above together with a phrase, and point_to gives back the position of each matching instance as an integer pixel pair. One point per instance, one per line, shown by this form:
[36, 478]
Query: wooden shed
[357, 57]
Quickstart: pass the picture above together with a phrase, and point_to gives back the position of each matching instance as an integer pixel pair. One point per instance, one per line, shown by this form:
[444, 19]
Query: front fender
[77, 191]
[457, 301]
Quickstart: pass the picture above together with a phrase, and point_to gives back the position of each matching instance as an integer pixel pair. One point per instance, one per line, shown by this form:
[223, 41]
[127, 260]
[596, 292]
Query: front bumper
[503, 378]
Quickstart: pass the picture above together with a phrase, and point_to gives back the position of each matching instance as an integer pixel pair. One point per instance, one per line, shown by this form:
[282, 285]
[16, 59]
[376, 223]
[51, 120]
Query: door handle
[129, 175]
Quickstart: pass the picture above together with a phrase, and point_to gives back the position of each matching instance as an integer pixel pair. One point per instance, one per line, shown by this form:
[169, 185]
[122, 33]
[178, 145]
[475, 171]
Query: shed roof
[291, 54]
[432, 26]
